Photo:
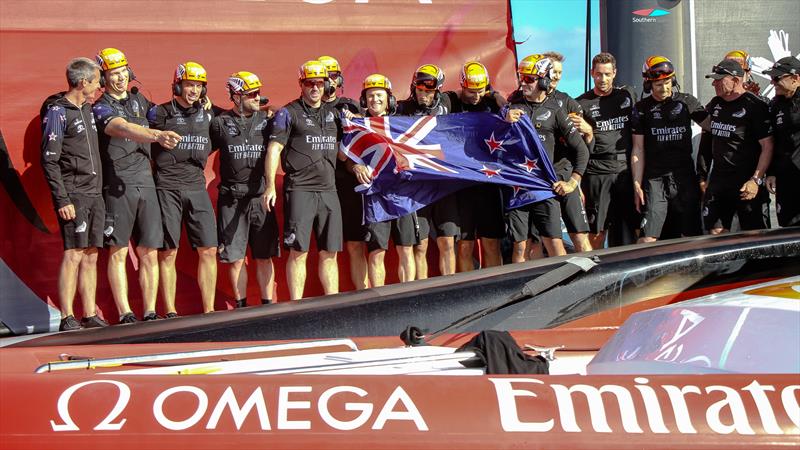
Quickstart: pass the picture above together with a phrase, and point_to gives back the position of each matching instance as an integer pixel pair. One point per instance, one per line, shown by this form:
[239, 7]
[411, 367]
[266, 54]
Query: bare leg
[328, 271]
[87, 281]
[520, 252]
[554, 246]
[465, 252]
[356, 252]
[207, 276]
[598, 240]
[148, 276]
[118, 278]
[447, 255]
[718, 230]
[265, 274]
[490, 249]
[68, 280]
[296, 273]
[421, 259]
[645, 240]
[535, 250]
[166, 266]
[377, 270]
[237, 272]
[581, 242]
[406, 267]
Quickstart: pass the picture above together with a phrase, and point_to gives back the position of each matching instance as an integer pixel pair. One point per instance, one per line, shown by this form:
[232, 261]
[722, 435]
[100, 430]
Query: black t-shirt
[786, 124]
[125, 162]
[310, 137]
[667, 130]
[566, 102]
[181, 168]
[410, 107]
[345, 103]
[240, 141]
[610, 117]
[736, 128]
[488, 103]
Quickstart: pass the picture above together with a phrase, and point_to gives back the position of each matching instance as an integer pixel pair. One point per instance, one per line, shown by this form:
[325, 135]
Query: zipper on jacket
[88, 141]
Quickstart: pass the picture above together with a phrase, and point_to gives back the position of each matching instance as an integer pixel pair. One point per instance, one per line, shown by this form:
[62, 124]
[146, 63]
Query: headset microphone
[263, 101]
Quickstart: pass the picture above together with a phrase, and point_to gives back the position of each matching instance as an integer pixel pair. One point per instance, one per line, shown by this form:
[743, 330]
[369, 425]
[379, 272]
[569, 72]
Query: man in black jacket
[71, 163]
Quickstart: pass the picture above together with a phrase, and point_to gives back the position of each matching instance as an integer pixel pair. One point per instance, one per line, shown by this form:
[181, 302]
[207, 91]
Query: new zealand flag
[415, 161]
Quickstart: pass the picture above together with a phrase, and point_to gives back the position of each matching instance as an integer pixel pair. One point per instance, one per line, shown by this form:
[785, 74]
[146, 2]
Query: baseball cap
[788, 65]
[726, 67]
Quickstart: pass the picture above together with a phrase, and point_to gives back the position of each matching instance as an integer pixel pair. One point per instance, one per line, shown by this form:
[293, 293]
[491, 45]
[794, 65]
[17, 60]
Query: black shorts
[403, 231]
[86, 229]
[304, 210]
[672, 199]
[722, 201]
[573, 212]
[192, 207]
[609, 201]
[540, 218]
[787, 196]
[242, 222]
[480, 212]
[132, 212]
[439, 219]
[352, 205]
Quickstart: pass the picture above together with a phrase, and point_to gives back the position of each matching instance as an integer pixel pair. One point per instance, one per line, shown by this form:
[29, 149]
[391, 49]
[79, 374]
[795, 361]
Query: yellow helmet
[377, 80]
[312, 69]
[741, 56]
[474, 75]
[535, 65]
[331, 64]
[240, 82]
[428, 76]
[190, 71]
[657, 68]
[111, 58]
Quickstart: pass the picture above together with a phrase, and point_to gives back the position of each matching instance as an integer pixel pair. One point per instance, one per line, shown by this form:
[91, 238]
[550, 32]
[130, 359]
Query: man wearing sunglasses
[242, 220]
[784, 179]
[664, 180]
[741, 151]
[439, 219]
[305, 139]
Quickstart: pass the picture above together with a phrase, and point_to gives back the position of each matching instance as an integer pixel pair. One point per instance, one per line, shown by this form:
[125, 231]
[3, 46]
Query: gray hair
[80, 69]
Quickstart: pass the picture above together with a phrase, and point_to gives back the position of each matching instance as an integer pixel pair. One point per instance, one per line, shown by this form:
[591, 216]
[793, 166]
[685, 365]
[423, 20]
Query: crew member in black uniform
[181, 183]
[607, 182]
[664, 180]
[439, 219]
[355, 233]
[741, 151]
[242, 220]
[304, 138]
[784, 179]
[71, 163]
[129, 192]
[551, 122]
[480, 207]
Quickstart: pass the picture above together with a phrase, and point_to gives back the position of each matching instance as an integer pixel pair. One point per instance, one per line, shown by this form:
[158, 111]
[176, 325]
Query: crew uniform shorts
[609, 199]
[439, 219]
[722, 201]
[190, 207]
[404, 231]
[480, 212]
[244, 221]
[352, 205]
[305, 210]
[536, 219]
[132, 212]
[672, 199]
[86, 229]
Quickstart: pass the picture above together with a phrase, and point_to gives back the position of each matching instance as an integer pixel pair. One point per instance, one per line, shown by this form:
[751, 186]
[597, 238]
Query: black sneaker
[69, 323]
[151, 316]
[172, 315]
[93, 322]
[241, 303]
[128, 318]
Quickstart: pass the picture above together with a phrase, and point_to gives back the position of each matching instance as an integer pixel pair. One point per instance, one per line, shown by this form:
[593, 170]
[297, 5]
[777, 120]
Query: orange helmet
[110, 58]
[312, 69]
[190, 71]
[657, 68]
[474, 75]
[536, 65]
[429, 77]
[741, 56]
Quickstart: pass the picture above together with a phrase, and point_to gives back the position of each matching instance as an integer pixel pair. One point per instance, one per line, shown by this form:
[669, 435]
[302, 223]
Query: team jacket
[410, 107]
[70, 151]
[241, 143]
[785, 114]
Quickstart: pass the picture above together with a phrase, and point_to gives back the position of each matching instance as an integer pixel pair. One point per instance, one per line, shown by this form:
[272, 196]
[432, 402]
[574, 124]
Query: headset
[177, 88]
[131, 77]
[392, 101]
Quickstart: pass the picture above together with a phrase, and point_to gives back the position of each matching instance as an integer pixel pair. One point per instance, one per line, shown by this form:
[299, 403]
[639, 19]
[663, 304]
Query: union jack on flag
[417, 160]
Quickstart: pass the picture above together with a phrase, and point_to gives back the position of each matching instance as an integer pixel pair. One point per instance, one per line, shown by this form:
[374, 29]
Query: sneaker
[241, 303]
[265, 301]
[69, 323]
[128, 318]
[93, 322]
[151, 316]
[172, 315]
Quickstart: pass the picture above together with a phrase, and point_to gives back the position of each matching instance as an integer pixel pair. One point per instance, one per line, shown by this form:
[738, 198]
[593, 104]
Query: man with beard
[242, 220]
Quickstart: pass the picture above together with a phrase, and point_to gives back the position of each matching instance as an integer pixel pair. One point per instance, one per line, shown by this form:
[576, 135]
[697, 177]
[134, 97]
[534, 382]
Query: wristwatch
[757, 180]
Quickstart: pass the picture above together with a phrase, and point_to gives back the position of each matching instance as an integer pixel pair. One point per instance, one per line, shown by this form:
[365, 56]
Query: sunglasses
[313, 83]
[527, 79]
[253, 94]
[722, 71]
[427, 85]
[778, 78]
[660, 70]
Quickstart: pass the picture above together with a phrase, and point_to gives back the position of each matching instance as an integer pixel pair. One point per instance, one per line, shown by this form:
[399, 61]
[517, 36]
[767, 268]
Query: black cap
[726, 67]
[785, 66]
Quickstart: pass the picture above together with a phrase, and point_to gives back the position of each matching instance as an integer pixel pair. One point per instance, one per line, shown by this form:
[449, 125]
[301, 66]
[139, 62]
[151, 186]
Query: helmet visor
[660, 71]
[426, 84]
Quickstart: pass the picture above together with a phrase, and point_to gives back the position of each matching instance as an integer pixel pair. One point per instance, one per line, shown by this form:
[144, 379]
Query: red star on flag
[494, 145]
[529, 165]
[517, 189]
[490, 172]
